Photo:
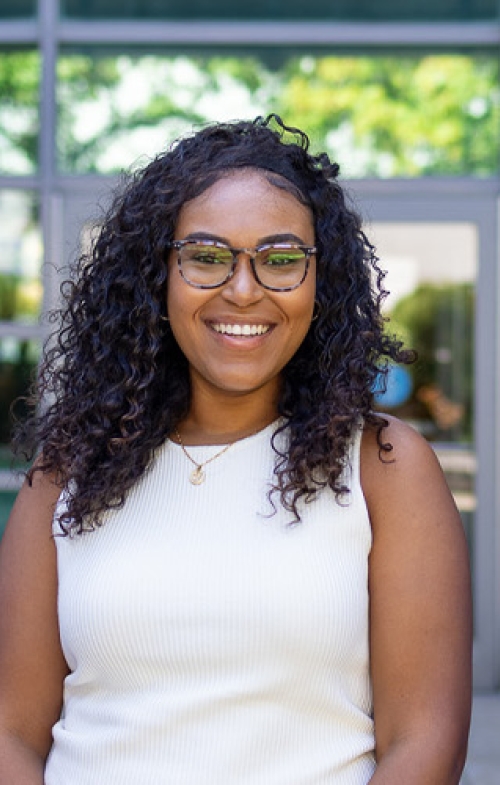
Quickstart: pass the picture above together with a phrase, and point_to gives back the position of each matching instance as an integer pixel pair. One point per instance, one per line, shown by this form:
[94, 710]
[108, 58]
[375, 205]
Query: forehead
[242, 200]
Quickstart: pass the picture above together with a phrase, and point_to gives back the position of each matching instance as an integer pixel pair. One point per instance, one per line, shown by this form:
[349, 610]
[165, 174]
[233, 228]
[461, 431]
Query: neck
[221, 421]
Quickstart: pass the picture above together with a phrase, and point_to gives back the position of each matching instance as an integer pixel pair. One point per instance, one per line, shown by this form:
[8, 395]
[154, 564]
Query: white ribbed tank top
[211, 644]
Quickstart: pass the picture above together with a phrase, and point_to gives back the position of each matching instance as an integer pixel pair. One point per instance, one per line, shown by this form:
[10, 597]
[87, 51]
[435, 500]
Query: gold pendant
[197, 476]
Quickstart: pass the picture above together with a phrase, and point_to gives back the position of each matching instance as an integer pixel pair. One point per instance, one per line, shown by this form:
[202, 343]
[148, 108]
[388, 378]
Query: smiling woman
[239, 533]
[238, 336]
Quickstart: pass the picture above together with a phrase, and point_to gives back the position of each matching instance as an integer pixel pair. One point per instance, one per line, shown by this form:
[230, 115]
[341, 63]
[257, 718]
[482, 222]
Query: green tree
[105, 102]
[411, 116]
[19, 115]
[378, 115]
[438, 322]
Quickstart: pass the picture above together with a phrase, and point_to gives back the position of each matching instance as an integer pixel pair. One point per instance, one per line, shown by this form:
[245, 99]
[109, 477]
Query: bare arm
[420, 615]
[32, 666]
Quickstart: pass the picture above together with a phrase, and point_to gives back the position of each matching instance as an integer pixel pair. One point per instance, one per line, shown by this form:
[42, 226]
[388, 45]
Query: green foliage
[16, 376]
[19, 123]
[399, 116]
[439, 324]
[103, 102]
[19, 297]
[379, 115]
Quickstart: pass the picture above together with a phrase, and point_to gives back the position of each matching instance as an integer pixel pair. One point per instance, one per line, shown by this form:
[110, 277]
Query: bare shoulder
[414, 518]
[407, 448]
[29, 528]
[407, 474]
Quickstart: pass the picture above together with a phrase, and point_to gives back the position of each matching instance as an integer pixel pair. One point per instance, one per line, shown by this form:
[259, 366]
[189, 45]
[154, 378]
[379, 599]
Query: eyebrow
[287, 237]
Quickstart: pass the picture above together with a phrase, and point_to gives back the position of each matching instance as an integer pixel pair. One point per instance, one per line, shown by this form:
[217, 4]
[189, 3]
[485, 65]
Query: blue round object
[399, 387]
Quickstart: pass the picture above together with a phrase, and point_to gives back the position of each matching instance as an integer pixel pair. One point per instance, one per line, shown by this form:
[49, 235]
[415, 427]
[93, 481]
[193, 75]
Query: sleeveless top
[212, 642]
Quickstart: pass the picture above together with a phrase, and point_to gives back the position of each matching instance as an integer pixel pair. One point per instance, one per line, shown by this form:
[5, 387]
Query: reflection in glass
[17, 9]
[19, 113]
[364, 10]
[7, 499]
[18, 361]
[379, 116]
[20, 257]
[431, 272]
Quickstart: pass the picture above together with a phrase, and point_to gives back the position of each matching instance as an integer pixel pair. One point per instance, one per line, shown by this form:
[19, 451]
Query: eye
[283, 257]
[206, 255]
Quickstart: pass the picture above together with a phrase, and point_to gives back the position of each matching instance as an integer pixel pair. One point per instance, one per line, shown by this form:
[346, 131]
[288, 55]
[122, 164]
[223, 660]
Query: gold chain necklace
[197, 475]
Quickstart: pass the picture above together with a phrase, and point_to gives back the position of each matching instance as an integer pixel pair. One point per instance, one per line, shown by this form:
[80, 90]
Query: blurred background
[405, 96]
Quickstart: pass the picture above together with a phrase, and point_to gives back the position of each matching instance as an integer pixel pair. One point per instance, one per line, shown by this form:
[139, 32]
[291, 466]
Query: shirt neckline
[200, 448]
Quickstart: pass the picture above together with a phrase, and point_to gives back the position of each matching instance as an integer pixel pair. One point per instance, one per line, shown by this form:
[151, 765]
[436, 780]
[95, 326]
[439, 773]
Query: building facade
[406, 98]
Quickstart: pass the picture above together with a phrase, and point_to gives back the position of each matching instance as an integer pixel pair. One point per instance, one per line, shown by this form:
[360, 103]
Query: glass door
[431, 303]
[438, 246]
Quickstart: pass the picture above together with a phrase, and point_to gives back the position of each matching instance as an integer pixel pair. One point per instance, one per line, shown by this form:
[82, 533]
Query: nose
[242, 288]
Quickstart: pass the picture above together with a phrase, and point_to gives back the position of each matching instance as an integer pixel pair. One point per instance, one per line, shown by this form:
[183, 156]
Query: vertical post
[496, 468]
[48, 13]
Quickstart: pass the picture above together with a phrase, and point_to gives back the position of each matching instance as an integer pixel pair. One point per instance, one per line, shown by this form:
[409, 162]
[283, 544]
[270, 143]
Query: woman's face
[243, 210]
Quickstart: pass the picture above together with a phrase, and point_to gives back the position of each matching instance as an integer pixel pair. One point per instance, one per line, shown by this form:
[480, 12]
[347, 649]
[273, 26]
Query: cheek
[305, 311]
[178, 299]
[300, 316]
[177, 309]
[183, 303]
[304, 306]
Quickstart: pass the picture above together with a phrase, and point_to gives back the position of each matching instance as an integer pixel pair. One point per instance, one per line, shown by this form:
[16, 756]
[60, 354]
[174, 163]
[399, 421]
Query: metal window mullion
[486, 421]
[48, 51]
[20, 330]
[48, 14]
[460, 187]
[496, 468]
[283, 33]
[19, 32]
[10, 480]
[15, 182]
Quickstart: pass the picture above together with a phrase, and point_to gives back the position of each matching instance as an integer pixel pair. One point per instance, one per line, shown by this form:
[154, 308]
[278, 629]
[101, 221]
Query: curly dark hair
[113, 381]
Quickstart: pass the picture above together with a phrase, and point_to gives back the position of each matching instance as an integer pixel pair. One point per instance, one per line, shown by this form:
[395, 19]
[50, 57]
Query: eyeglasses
[207, 264]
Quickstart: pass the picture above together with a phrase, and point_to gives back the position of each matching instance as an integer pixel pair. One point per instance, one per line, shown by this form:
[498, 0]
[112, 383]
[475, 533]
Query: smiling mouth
[246, 330]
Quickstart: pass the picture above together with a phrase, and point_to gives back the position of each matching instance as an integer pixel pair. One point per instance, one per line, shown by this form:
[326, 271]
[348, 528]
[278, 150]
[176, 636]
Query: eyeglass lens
[277, 266]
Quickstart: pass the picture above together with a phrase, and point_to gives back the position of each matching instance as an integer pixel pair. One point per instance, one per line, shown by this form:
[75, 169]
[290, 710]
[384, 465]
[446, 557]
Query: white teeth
[241, 329]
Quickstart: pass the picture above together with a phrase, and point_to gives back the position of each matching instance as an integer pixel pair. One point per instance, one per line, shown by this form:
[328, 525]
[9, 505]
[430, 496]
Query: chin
[238, 385]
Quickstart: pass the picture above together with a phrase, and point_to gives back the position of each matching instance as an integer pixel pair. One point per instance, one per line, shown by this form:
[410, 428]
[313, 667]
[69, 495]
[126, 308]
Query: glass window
[19, 113]
[20, 257]
[7, 499]
[18, 362]
[17, 9]
[379, 116]
[431, 273]
[424, 10]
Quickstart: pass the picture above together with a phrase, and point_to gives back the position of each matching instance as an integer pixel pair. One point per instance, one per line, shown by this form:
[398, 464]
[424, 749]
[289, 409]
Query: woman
[255, 578]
